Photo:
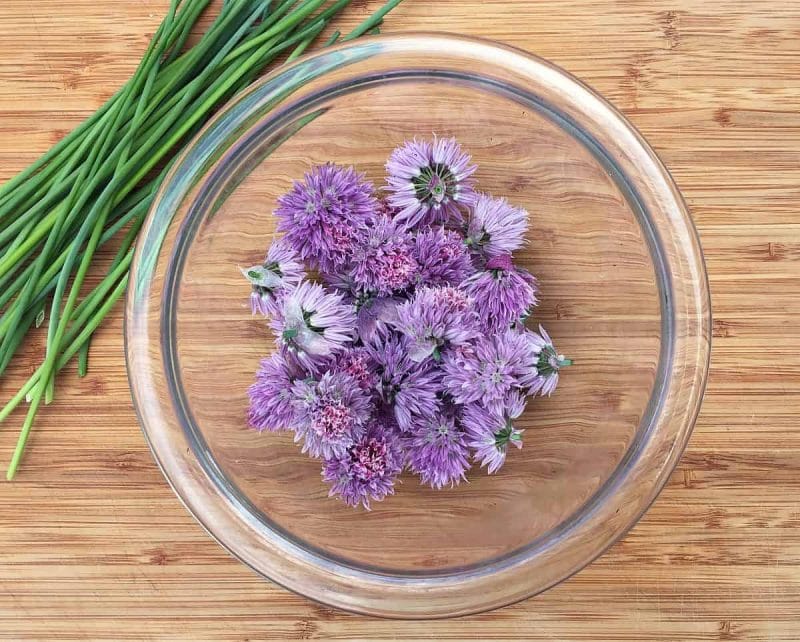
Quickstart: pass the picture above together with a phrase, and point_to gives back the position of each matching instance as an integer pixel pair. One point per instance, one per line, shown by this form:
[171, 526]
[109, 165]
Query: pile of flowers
[399, 318]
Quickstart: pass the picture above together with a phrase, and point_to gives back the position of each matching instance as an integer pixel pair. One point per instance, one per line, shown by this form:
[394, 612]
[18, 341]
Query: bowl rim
[416, 597]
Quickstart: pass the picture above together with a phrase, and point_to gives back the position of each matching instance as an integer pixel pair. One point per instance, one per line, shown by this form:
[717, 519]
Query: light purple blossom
[495, 227]
[367, 470]
[281, 272]
[490, 370]
[429, 181]
[442, 257]
[324, 217]
[313, 323]
[331, 413]
[435, 319]
[548, 365]
[384, 263]
[410, 388]
[437, 451]
[502, 294]
[489, 432]
[271, 398]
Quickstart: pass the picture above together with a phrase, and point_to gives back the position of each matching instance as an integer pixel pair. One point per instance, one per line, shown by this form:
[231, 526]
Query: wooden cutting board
[93, 543]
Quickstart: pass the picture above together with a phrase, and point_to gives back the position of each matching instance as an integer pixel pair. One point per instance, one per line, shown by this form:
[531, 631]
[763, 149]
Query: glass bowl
[623, 292]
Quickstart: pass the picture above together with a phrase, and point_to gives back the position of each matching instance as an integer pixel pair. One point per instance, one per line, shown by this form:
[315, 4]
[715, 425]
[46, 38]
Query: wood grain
[94, 545]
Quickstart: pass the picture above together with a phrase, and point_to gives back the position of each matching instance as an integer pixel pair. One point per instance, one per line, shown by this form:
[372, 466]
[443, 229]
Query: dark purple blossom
[435, 319]
[384, 209]
[410, 388]
[548, 365]
[384, 263]
[489, 371]
[495, 227]
[324, 217]
[442, 257]
[437, 451]
[313, 323]
[489, 432]
[367, 470]
[502, 294]
[376, 315]
[271, 398]
[331, 413]
[357, 363]
[281, 272]
[342, 283]
[430, 181]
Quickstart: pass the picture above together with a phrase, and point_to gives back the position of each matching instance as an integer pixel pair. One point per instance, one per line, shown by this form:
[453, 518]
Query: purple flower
[502, 294]
[487, 373]
[331, 413]
[271, 398]
[410, 388]
[376, 315]
[428, 181]
[496, 227]
[548, 365]
[435, 319]
[280, 273]
[357, 363]
[399, 323]
[437, 451]
[384, 262]
[442, 257]
[342, 282]
[325, 216]
[489, 432]
[367, 470]
[313, 324]
[384, 209]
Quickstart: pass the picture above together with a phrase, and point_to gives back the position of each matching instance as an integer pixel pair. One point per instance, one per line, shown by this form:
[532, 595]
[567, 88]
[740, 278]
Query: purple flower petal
[271, 398]
[281, 272]
[496, 227]
[489, 432]
[384, 263]
[549, 363]
[442, 257]
[313, 323]
[435, 319]
[367, 470]
[331, 413]
[357, 363]
[496, 366]
[429, 181]
[410, 389]
[437, 451]
[376, 314]
[502, 296]
[324, 217]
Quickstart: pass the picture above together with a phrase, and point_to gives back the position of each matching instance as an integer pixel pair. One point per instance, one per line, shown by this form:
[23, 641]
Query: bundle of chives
[97, 181]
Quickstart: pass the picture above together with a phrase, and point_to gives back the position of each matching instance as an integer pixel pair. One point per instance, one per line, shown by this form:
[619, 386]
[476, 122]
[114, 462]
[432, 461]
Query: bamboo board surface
[93, 543]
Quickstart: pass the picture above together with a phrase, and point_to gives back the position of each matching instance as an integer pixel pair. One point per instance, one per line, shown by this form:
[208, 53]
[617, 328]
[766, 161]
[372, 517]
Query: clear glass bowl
[623, 292]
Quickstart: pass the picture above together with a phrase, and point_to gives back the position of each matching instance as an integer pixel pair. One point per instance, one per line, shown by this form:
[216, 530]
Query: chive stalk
[97, 183]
